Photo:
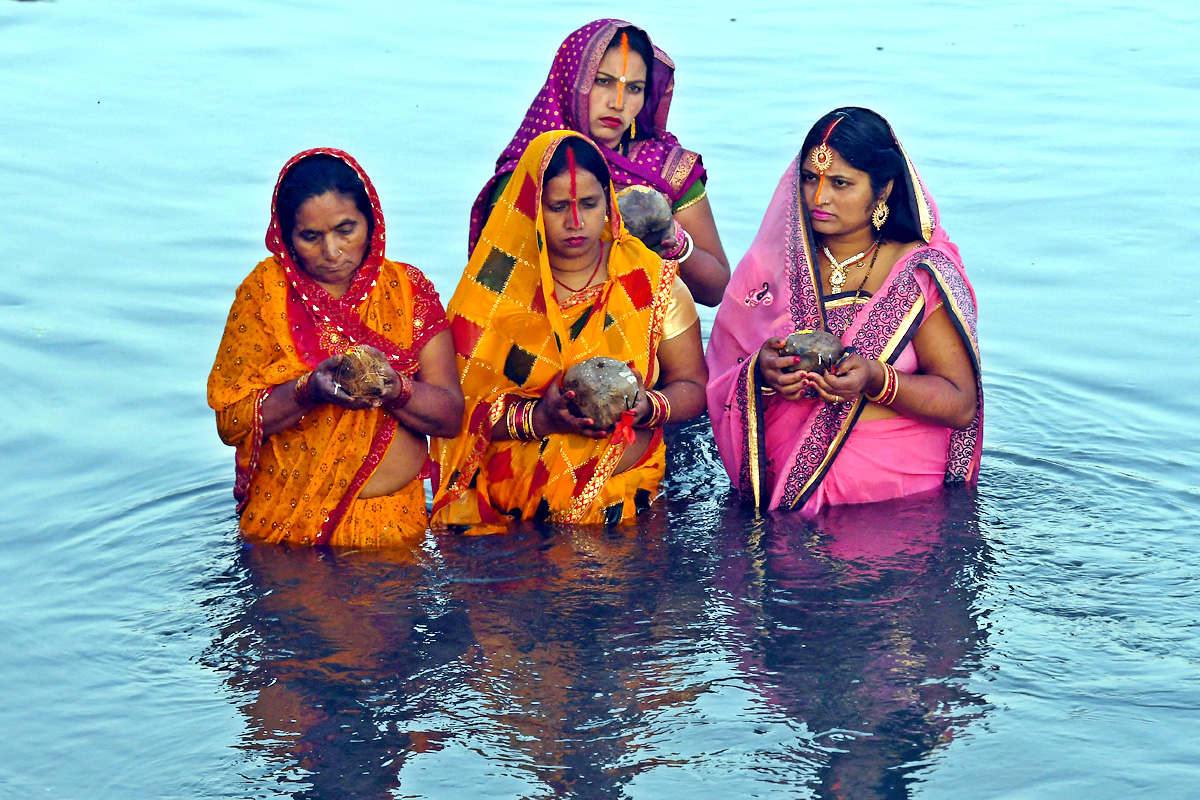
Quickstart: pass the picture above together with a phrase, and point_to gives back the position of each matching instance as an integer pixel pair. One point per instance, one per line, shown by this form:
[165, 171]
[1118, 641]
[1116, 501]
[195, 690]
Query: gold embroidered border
[604, 469]
[692, 202]
[687, 161]
[752, 431]
[852, 416]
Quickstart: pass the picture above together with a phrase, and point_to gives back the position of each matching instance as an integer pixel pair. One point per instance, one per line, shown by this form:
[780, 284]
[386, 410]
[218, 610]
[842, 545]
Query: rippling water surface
[1036, 638]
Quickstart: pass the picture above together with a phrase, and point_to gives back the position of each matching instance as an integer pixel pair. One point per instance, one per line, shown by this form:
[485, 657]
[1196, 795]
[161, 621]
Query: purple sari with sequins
[655, 158]
[785, 455]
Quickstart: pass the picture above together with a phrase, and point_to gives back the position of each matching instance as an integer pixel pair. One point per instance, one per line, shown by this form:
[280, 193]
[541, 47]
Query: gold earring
[633, 130]
[879, 215]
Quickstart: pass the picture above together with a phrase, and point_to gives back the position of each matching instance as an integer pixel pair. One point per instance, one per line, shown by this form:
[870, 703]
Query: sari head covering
[776, 290]
[655, 158]
[299, 484]
[513, 337]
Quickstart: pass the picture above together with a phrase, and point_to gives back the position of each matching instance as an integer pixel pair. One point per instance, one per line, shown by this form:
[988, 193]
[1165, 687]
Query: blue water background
[1039, 640]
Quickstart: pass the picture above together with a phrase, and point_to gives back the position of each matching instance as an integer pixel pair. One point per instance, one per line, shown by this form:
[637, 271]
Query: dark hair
[586, 157]
[639, 43]
[314, 176]
[865, 141]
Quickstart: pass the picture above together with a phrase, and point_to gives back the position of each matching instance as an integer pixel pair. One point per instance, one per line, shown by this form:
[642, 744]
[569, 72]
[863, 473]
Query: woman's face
[845, 200]
[330, 238]
[609, 119]
[573, 235]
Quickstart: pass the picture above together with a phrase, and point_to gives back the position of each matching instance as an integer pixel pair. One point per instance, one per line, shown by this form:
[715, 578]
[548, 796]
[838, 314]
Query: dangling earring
[633, 130]
[879, 215]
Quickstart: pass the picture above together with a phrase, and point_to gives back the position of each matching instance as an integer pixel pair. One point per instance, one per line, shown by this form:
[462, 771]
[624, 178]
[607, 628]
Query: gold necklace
[837, 269]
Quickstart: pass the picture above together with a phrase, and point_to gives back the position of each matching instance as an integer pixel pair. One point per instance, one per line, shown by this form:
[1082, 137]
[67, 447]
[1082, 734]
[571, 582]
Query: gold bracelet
[510, 418]
[301, 392]
[887, 376]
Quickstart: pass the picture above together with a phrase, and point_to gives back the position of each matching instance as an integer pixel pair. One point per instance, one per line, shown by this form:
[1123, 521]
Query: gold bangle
[887, 376]
[300, 391]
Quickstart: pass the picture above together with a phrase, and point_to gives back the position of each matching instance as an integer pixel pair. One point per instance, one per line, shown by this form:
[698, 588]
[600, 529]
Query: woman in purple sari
[851, 243]
[611, 84]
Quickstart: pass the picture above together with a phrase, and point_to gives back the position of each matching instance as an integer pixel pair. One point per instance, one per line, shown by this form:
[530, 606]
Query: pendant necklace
[837, 269]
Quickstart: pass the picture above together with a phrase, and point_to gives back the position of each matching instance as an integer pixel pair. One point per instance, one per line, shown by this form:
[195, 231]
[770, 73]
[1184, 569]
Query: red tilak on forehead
[574, 194]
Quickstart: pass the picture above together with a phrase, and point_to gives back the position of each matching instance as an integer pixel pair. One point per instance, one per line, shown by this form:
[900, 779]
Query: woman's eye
[839, 182]
[635, 89]
[808, 177]
[589, 203]
[602, 81]
[309, 237]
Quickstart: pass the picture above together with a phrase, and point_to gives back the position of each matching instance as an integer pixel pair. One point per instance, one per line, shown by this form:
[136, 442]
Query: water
[1036, 639]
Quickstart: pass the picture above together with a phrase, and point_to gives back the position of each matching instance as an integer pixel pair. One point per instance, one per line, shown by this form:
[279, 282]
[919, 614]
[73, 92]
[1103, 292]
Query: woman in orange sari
[555, 280]
[316, 465]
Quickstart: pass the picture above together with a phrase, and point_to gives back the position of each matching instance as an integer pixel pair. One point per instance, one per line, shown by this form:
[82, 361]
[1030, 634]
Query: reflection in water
[862, 627]
[556, 658]
[334, 654]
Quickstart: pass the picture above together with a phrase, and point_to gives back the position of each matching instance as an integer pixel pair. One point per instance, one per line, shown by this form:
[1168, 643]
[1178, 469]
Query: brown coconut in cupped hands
[817, 350]
[361, 373]
[604, 389]
[646, 214]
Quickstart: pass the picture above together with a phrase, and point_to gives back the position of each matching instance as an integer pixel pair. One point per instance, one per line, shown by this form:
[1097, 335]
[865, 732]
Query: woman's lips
[819, 214]
[575, 241]
[610, 122]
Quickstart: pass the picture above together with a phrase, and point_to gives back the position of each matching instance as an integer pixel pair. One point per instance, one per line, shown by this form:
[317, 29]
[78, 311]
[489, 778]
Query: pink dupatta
[776, 290]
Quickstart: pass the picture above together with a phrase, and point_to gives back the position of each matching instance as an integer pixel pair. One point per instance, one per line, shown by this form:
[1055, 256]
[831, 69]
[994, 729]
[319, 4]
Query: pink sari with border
[775, 291]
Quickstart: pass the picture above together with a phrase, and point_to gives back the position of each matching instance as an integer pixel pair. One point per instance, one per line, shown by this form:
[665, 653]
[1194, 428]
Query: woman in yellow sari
[316, 465]
[555, 280]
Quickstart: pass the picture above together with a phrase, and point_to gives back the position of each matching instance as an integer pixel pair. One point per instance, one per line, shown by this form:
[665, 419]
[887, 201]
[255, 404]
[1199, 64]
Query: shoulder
[267, 274]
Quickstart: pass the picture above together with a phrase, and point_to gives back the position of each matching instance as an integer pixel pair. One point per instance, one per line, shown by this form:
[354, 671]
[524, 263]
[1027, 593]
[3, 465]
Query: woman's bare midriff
[876, 411]
[400, 465]
[634, 452]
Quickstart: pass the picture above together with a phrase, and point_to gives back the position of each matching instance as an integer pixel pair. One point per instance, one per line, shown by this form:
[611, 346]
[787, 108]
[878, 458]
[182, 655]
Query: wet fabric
[655, 158]
[779, 453]
[301, 484]
[513, 337]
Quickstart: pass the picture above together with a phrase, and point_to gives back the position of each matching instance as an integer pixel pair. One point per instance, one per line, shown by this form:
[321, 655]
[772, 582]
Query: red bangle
[660, 410]
[403, 396]
[301, 392]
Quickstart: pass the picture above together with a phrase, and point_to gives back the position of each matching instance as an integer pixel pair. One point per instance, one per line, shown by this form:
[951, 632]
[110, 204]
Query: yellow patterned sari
[513, 337]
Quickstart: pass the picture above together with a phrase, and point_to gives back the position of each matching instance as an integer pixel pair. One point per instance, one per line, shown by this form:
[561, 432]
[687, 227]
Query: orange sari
[301, 485]
[513, 337]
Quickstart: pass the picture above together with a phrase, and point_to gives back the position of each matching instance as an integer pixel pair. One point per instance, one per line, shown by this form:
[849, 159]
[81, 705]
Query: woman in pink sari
[611, 84]
[851, 244]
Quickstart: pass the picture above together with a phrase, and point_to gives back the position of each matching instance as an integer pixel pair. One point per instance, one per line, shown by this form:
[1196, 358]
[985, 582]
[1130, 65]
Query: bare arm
[436, 405]
[943, 393]
[682, 377]
[707, 270]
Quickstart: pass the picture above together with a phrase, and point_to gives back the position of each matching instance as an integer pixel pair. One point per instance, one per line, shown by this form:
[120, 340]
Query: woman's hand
[553, 414]
[324, 388]
[772, 363]
[846, 380]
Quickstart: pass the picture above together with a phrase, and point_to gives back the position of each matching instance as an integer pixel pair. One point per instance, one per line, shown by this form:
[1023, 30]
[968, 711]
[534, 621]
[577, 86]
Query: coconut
[646, 213]
[818, 350]
[604, 389]
[361, 373]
